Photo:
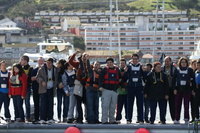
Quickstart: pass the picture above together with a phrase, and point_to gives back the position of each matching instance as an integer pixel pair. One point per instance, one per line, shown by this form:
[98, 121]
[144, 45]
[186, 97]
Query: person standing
[108, 84]
[92, 94]
[35, 88]
[171, 72]
[47, 77]
[17, 90]
[4, 80]
[146, 100]
[156, 90]
[122, 93]
[28, 70]
[135, 75]
[197, 90]
[185, 76]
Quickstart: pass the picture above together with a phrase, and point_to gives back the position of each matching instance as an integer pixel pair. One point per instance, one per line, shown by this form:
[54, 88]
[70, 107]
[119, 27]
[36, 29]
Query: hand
[33, 78]
[67, 94]
[166, 97]
[175, 92]
[193, 93]
[43, 84]
[22, 97]
[123, 89]
[86, 56]
[145, 95]
[125, 68]
[61, 85]
[9, 96]
[101, 89]
[197, 86]
[77, 52]
[120, 80]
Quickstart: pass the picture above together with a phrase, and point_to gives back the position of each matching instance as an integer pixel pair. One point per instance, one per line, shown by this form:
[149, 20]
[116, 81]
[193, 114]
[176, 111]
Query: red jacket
[19, 90]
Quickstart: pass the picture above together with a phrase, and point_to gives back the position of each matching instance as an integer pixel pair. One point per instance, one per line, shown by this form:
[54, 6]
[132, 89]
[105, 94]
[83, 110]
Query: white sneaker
[42, 122]
[51, 121]
[176, 122]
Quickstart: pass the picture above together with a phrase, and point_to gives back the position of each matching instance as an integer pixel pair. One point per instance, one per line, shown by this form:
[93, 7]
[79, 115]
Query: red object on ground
[72, 130]
[142, 130]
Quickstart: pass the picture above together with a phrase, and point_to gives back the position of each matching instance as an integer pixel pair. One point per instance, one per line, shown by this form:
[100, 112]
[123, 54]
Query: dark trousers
[36, 100]
[146, 109]
[121, 102]
[178, 103]
[19, 111]
[62, 99]
[79, 101]
[132, 93]
[192, 105]
[172, 104]
[46, 105]
[27, 102]
[92, 99]
[6, 100]
[197, 103]
[162, 106]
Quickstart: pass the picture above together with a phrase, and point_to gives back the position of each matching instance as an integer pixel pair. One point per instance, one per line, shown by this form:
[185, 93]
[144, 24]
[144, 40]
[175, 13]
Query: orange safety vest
[112, 76]
[93, 81]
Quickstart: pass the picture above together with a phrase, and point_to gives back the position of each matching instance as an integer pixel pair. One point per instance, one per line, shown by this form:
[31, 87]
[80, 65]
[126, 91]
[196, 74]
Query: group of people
[77, 82]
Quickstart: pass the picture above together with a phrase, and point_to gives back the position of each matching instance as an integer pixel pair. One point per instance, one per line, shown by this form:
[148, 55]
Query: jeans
[72, 104]
[121, 102]
[62, 99]
[162, 106]
[92, 99]
[6, 100]
[146, 109]
[36, 100]
[27, 102]
[19, 111]
[172, 103]
[79, 108]
[46, 105]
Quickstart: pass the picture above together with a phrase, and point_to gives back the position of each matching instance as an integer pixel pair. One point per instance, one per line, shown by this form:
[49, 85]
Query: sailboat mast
[110, 28]
[118, 29]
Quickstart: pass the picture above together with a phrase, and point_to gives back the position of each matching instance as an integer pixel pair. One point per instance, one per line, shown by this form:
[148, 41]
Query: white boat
[196, 53]
[42, 51]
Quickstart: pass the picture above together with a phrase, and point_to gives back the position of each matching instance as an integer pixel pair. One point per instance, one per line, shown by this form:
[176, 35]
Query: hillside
[27, 8]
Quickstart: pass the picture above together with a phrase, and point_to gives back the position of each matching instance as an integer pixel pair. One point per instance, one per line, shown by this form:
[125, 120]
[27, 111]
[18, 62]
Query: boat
[196, 53]
[33, 57]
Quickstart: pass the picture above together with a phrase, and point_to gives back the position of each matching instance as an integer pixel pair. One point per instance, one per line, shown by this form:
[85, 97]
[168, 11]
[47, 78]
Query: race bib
[3, 85]
[135, 79]
[183, 82]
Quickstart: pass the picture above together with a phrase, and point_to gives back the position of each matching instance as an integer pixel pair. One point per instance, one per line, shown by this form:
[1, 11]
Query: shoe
[8, 120]
[28, 120]
[137, 121]
[176, 122]
[106, 123]
[162, 122]
[159, 122]
[151, 122]
[141, 122]
[42, 122]
[64, 120]
[128, 122]
[70, 121]
[21, 121]
[51, 121]
[147, 121]
[118, 122]
[59, 120]
[114, 122]
[97, 122]
[192, 121]
[35, 122]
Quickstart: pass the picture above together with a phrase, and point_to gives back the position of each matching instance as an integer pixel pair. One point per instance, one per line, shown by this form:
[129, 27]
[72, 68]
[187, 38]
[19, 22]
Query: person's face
[157, 68]
[16, 70]
[198, 66]
[194, 65]
[183, 63]
[148, 68]
[59, 65]
[22, 61]
[110, 64]
[135, 59]
[40, 62]
[122, 64]
[49, 64]
[3, 66]
[84, 57]
[167, 62]
[96, 65]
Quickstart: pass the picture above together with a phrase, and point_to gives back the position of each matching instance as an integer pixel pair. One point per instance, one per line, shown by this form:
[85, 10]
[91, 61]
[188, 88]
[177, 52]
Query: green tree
[78, 42]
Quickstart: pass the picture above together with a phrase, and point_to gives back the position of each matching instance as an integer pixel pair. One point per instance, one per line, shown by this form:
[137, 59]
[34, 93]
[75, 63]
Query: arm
[89, 69]
[101, 76]
[33, 74]
[29, 75]
[72, 61]
[64, 81]
[24, 79]
[40, 79]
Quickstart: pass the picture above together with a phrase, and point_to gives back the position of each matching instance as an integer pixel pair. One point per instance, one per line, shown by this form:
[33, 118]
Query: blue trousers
[92, 99]
[146, 109]
[121, 102]
[27, 102]
[18, 106]
[162, 106]
[132, 93]
[6, 100]
[46, 105]
[62, 99]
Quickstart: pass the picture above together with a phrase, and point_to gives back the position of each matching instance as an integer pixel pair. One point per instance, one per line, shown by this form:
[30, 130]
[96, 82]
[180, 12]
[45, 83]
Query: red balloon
[72, 130]
[142, 130]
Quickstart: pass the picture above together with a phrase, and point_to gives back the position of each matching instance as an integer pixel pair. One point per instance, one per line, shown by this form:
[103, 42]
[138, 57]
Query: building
[32, 24]
[6, 22]
[67, 36]
[70, 22]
